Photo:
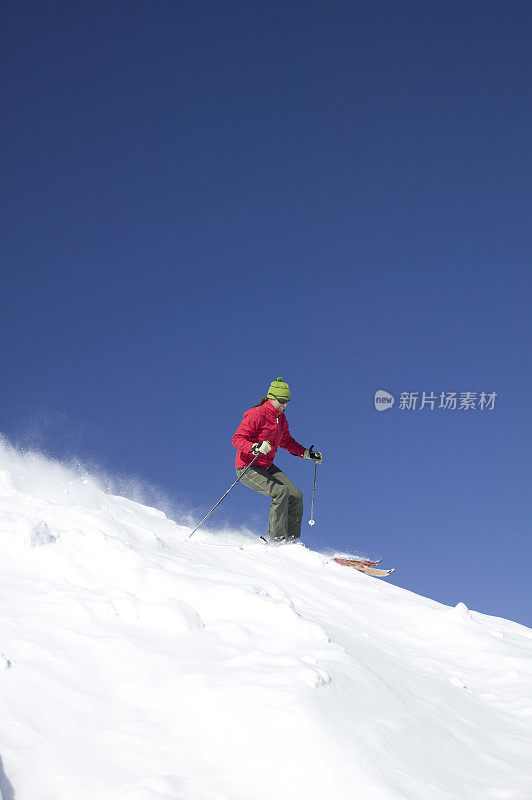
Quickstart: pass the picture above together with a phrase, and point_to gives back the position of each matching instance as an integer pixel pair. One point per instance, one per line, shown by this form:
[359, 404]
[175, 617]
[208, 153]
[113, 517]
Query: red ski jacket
[259, 423]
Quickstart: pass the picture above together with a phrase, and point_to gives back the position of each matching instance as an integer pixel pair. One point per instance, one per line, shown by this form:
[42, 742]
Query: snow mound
[136, 664]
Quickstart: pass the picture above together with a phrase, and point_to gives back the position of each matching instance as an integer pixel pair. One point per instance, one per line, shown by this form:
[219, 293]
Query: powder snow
[137, 664]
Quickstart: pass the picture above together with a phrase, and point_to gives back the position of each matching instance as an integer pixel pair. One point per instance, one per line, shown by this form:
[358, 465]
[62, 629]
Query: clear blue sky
[201, 196]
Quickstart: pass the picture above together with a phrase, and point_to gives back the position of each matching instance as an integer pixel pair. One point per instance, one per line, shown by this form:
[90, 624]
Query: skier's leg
[260, 480]
[295, 501]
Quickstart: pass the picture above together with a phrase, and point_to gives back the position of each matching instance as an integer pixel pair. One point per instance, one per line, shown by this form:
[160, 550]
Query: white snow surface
[138, 665]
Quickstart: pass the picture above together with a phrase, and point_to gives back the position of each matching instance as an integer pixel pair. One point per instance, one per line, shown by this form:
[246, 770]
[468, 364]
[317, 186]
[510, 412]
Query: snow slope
[137, 665]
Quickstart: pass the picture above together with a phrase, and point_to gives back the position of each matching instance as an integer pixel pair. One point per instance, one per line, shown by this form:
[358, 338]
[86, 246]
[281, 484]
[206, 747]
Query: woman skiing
[263, 429]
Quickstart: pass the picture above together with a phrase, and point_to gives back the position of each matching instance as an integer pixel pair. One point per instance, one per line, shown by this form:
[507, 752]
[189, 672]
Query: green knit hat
[279, 389]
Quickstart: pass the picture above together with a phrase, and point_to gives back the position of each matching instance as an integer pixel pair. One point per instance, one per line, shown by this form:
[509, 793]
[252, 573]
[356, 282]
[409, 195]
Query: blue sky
[199, 197]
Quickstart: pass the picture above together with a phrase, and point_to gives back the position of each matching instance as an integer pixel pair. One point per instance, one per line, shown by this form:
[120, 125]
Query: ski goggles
[281, 400]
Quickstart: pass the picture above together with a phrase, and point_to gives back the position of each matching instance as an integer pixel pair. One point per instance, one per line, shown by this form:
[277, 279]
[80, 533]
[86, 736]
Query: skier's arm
[246, 434]
[290, 444]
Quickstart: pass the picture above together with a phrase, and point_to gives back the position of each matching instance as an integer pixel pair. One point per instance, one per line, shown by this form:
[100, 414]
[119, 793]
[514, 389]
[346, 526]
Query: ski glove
[261, 447]
[315, 455]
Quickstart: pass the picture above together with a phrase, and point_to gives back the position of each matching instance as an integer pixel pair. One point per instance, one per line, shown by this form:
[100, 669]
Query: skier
[263, 429]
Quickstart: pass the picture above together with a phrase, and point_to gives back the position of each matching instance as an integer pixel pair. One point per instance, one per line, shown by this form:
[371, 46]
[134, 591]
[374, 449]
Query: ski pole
[311, 520]
[222, 497]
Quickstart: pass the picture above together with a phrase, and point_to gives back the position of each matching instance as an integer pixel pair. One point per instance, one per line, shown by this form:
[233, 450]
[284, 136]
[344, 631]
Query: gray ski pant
[286, 510]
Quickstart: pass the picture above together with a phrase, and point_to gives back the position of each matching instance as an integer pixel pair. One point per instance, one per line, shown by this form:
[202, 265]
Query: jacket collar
[270, 409]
